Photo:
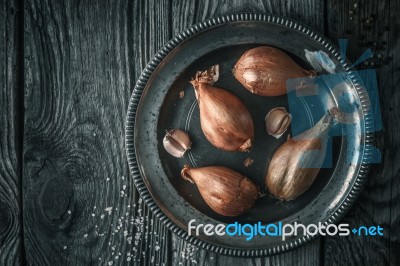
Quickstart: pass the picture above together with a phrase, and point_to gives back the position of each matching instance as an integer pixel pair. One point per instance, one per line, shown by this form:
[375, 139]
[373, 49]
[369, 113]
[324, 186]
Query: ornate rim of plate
[158, 58]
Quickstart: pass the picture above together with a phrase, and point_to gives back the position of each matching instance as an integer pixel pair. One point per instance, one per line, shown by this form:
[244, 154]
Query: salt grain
[108, 209]
[85, 235]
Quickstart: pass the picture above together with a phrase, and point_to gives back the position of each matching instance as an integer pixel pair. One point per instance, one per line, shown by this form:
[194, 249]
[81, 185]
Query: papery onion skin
[225, 120]
[225, 191]
[264, 71]
[286, 179]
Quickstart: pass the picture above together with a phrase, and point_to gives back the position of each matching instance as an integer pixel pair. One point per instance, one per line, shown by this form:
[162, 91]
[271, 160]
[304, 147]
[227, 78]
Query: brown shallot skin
[264, 71]
[286, 179]
[225, 191]
[225, 120]
[282, 187]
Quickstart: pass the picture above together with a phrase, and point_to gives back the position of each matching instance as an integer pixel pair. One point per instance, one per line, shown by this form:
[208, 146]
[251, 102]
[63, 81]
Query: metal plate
[155, 106]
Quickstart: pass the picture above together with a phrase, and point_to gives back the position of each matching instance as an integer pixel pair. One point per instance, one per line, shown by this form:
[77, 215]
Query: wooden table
[68, 69]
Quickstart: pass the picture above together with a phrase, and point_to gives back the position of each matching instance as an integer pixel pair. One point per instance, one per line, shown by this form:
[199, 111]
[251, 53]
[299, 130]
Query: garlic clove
[277, 121]
[176, 142]
[225, 191]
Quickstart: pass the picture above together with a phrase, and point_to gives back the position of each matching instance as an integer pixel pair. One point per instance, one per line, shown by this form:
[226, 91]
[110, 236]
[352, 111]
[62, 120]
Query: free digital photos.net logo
[280, 230]
[321, 93]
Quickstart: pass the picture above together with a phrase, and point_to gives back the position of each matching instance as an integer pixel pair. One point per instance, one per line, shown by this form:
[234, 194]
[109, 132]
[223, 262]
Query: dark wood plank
[392, 137]
[188, 254]
[10, 135]
[373, 22]
[81, 63]
[190, 12]
[187, 13]
[390, 101]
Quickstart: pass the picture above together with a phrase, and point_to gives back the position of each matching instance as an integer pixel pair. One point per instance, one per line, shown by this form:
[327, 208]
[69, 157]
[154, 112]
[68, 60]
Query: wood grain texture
[188, 254]
[375, 25]
[391, 117]
[10, 135]
[187, 13]
[81, 63]
[82, 59]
